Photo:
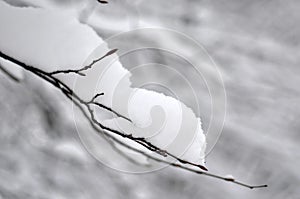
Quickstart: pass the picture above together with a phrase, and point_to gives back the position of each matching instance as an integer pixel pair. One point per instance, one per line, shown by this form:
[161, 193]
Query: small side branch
[95, 97]
[110, 110]
[93, 102]
[79, 71]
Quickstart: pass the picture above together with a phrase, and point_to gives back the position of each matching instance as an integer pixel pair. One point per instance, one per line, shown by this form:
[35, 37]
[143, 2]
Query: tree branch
[87, 111]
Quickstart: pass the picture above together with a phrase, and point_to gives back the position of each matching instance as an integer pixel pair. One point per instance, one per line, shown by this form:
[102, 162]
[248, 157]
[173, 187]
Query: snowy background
[256, 47]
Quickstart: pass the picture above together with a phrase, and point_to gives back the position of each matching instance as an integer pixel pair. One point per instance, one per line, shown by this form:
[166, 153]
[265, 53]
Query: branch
[97, 95]
[189, 169]
[85, 108]
[79, 71]
[110, 110]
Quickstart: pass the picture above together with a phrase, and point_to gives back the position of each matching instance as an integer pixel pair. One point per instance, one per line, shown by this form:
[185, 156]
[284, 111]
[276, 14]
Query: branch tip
[111, 52]
[202, 167]
[102, 1]
[97, 95]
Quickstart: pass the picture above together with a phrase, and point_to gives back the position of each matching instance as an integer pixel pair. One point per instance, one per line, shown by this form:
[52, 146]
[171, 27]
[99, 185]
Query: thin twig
[97, 95]
[110, 110]
[79, 71]
[92, 102]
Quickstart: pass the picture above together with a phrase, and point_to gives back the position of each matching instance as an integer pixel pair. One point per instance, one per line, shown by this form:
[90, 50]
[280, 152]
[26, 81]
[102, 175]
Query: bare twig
[97, 95]
[79, 71]
[110, 110]
[85, 108]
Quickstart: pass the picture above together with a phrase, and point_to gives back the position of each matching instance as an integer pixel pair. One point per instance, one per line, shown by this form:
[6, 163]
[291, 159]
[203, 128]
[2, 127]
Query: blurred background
[255, 45]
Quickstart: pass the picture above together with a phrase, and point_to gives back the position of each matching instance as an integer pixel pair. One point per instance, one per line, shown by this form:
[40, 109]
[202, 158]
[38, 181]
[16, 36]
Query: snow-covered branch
[85, 106]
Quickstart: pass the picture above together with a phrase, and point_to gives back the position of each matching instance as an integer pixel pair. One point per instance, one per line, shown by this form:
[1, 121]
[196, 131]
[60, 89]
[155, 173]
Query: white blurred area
[256, 47]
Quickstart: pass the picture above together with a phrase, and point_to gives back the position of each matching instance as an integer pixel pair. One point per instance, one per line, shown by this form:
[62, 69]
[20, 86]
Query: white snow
[165, 122]
[71, 150]
[44, 38]
[229, 177]
[52, 40]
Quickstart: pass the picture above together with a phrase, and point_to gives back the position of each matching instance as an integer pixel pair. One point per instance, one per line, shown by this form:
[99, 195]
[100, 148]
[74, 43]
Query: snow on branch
[85, 106]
